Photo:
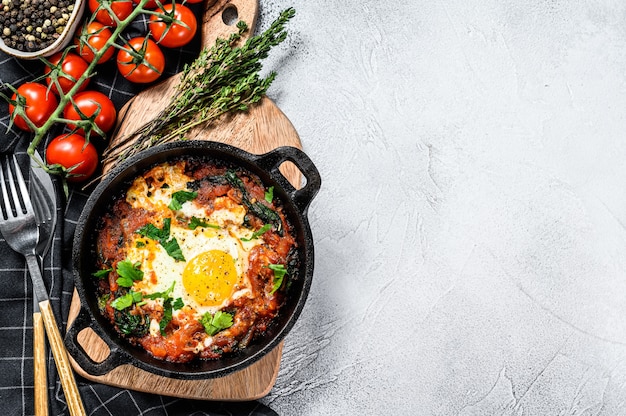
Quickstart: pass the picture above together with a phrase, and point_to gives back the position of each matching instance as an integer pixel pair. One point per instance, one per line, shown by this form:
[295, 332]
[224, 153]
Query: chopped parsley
[163, 295]
[258, 233]
[173, 249]
[178, 304]
[279, 273]
[215, 323]
[162, 235]
[126, 300]
[152, 232]
[102, 273]
[128, 273]
[180, 197]
[195, 222]
[169, 305]
[102, 301]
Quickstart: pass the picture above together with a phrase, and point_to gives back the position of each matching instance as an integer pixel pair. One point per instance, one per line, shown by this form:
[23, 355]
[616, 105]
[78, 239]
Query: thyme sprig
[224, 78]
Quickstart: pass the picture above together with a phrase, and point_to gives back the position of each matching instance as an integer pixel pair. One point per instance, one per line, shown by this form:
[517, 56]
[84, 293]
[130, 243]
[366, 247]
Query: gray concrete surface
[471, 228]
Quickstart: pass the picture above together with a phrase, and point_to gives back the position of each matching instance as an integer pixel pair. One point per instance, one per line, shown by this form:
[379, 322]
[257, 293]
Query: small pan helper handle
[115, 359]
[271, 162]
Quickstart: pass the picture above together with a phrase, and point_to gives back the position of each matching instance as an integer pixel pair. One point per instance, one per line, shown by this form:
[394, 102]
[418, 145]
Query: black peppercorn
[22, 23]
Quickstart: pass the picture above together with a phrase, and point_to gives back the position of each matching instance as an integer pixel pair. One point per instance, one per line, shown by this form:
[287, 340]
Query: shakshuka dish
[193, 260]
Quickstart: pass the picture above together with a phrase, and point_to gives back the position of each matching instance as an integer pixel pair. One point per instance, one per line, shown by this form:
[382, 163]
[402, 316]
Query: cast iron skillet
[295, 202]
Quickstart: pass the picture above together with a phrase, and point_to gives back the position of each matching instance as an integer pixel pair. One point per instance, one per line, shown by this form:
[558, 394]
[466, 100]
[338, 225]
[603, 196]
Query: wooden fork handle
[39, 354]
[68, 382]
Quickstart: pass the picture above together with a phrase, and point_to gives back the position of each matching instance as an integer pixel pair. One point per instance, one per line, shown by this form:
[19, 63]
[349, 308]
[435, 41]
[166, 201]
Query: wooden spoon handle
[39, 354]
[70, 388]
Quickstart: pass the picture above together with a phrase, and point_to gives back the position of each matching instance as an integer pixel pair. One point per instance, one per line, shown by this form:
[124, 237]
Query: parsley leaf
[168, 309]
[162, 235]
[178, 304]
[163, 295]
[167, 315]
[215, 323]
[152, 232]
[258, 233]
[128, 273]
[173, 249]
[180, 197]
[269, 194]
[197, 222]
[102, 273]
[168, 306]
[279, 273]
[127, 300]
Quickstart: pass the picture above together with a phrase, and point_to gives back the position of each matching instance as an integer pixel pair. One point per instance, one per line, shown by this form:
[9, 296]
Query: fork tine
[13, 199]
[39, 202]
[5, 197]
[25, 198]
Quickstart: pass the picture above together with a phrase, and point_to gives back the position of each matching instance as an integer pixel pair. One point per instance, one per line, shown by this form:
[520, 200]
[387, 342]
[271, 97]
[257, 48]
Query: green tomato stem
[55, 117]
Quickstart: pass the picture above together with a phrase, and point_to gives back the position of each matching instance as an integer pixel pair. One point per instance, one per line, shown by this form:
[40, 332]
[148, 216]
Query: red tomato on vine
[141, 60]
[74, 154]
[69, 70]
[88, 103]
[121, 8]
[168, 31]
[96, 35]
[38, 102]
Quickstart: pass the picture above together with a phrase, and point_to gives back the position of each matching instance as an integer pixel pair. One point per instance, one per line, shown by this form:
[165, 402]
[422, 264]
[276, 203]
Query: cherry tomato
[150, 4]
[134, 68]
[73, 67]
[96, 34]
[74, 153]
[40, 104]
[121, 8]
[176, 35]
[88, 102]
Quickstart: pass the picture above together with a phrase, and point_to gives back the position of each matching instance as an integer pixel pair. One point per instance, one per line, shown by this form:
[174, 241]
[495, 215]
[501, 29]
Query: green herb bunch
[222, 79]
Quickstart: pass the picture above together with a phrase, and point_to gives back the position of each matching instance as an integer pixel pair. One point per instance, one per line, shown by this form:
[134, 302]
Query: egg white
[161, 270]
[225, 232]
[156, 195]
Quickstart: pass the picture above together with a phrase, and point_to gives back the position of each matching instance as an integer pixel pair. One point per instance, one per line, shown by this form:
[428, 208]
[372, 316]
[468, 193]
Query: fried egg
[213, 272]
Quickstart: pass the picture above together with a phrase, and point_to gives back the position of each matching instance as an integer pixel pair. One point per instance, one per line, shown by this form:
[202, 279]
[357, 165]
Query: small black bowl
[295, 202]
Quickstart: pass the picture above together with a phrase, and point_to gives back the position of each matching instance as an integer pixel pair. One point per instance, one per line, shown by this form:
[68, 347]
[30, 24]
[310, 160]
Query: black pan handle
[75, 349]
[272, 160]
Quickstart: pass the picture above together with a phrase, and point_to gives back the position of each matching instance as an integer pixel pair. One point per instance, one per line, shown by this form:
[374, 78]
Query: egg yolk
[210, 277]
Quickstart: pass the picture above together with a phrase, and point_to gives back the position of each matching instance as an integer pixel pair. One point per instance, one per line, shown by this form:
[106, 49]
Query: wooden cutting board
[261, 129]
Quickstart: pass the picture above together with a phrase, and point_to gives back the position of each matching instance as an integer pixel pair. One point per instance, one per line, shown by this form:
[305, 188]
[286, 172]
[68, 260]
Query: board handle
[115, 358]
[220, 17]
[271, 162]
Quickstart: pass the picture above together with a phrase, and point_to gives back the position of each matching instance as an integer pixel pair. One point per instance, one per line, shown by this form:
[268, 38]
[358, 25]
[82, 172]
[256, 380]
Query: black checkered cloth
[16, 302]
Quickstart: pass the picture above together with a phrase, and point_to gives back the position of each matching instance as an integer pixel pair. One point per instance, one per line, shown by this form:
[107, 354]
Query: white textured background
[471, 227]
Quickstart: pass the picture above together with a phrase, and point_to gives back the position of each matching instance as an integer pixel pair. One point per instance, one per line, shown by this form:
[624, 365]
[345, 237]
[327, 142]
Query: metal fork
[19, 228]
